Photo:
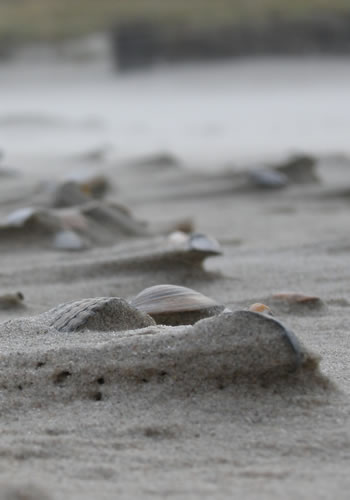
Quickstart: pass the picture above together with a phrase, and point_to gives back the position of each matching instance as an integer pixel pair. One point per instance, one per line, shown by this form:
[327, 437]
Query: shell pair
[162, 304]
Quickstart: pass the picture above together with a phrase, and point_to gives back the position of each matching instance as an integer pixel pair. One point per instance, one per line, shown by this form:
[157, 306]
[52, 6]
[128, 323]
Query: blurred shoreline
[208, 114]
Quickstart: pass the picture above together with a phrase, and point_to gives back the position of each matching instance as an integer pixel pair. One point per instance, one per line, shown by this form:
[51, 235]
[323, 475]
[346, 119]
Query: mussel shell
[175, 305]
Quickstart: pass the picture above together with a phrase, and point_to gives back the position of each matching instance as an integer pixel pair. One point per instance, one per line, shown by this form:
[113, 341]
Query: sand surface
[133, 413]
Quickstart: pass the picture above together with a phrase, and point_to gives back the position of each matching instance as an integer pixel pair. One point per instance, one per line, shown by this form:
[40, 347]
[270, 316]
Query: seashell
[268, 179]
[11, 300]
[175, 305]
[262, 345]
[116, 217]
[178, 238]
[99, 313]
[27, 215]
[260, 308]
[299, 300]
[204, 244]
[299, 169]
[20, 216]
[68, 240]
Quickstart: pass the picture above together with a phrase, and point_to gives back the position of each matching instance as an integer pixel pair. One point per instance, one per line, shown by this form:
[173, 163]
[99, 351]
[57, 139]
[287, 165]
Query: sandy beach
[99, 401]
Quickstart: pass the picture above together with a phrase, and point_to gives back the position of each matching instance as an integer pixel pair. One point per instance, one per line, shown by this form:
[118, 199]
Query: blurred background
[214, 82]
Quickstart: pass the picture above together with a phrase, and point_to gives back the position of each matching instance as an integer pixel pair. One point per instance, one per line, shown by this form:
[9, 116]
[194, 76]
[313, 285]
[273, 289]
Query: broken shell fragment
[11, 300]
[260, 308]
[175, 305]
[99, 313]
[293, 297]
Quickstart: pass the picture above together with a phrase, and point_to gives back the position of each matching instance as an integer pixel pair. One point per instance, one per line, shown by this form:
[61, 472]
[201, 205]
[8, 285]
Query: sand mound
[45, 365]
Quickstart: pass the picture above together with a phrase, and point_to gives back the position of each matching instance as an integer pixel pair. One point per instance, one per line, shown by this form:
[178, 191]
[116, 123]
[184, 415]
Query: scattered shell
[11, 300]
[202, 243]
[260, 308]
[115, 218]
[175, 305]
[268, 179]
[178, 238]
[68, 240]
[196, 243]
[297, 300]
[299, 169]
[99, 313]
[30, 215]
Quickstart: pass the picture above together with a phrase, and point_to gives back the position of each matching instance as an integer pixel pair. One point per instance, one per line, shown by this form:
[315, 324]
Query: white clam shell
[162, 299]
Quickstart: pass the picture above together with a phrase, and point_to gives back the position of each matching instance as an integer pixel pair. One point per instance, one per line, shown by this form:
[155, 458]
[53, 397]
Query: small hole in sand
[19, 387]
[163, 373]
[97, 396]
[40, 364]
[61, 376]
[101, 380]
[145, 380]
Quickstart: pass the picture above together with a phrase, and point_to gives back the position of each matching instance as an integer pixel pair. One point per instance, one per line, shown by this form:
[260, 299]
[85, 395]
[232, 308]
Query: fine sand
[232, 406]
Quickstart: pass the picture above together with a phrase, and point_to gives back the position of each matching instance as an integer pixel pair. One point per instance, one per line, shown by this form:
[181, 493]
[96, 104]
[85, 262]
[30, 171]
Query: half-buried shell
[175, 305]
[98, 313]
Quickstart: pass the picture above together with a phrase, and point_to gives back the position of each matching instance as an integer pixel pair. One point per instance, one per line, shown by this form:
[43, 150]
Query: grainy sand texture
[98, 398]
